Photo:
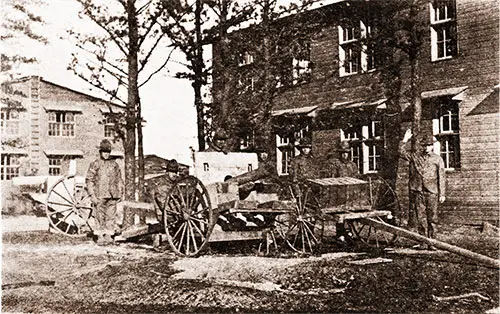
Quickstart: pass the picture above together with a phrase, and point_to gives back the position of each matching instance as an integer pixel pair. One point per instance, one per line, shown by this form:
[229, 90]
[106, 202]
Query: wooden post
[438, 244]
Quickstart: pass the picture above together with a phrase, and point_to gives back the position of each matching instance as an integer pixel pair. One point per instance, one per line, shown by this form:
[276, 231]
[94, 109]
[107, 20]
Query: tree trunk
[140, 151]
[268, 80]
[198, 78]
[130, 140]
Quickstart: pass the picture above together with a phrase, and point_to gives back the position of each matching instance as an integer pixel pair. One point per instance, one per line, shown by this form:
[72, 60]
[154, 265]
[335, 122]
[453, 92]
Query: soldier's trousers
[425, 211]
[106, 217]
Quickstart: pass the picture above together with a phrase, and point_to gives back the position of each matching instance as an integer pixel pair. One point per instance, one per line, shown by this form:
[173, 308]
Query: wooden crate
[342, 194]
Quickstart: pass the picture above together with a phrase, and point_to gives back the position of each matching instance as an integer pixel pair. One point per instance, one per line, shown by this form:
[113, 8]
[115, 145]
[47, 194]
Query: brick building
[46, 125]
[333, 95]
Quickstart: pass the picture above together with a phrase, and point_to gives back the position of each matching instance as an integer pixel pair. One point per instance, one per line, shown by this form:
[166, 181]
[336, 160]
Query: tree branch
[159, 69]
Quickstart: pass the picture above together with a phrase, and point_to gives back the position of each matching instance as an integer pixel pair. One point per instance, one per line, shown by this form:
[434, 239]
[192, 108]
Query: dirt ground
[50, 273]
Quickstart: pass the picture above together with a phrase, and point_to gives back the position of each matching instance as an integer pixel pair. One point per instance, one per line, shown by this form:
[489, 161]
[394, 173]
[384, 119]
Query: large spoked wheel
[188, 216]
[302, 227]
[68, 207]
[382, 198]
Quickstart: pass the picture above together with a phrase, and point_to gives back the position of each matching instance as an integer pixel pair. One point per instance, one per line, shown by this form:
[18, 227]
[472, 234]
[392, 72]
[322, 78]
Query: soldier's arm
[90, 180]
[120, 180]
[441, 179]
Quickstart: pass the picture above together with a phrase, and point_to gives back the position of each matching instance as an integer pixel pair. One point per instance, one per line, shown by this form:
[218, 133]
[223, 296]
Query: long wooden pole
[436, 243]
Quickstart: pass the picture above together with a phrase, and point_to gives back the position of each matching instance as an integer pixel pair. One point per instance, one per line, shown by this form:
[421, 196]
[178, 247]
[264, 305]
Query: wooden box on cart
[342, 194]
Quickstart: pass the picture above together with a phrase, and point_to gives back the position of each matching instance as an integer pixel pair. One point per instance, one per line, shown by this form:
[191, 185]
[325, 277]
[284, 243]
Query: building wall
[473, 190]
[89, 131]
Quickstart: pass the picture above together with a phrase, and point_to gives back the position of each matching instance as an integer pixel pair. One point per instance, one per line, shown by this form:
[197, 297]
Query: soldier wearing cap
[105, 187]
[304, 166]
[342, 166]
[158, 187]
[219, 142]
[427, 184]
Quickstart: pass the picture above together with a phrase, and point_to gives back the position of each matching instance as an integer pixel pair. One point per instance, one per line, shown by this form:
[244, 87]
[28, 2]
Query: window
[55, 163]
[10, 166]
[284, 154]
[61, 123]
[109, 127]
[301, 62]
[443, 30]
[245, 59]
[446, 130]
[355, 56]
[367, 142]
[287, 148]
[10, 122]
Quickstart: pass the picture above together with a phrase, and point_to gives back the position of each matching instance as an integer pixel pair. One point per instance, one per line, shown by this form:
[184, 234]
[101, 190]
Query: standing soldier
[343, 166]
[304, 166]
[426, 184]
[105, 187]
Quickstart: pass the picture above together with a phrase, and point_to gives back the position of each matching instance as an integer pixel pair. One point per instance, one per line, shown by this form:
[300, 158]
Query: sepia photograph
[250, 156]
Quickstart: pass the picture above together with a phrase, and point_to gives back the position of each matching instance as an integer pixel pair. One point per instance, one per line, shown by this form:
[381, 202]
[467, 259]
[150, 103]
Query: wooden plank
[340, 218]
[258, 211]
[236, 204]
[225, 236]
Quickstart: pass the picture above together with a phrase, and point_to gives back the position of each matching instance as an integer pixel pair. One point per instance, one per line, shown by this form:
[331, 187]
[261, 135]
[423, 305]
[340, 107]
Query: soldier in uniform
[343, 166]
[158, 187]
[304, 166]
[219, 142]
[427, 184]
[105, 187]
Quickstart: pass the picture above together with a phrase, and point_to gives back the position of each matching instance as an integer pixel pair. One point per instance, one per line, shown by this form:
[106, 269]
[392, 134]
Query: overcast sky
[167, 102]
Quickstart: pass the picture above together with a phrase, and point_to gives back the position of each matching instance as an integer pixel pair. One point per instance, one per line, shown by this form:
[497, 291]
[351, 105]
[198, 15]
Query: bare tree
[117, 61]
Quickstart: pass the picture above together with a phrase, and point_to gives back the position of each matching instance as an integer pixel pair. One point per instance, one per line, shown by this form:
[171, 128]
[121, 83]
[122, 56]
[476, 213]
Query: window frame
[8, 169]
[448, 144]
[10, 125]
[446, 27]
[363, 56]
[364, 148]
[109, 127]
[61, 128]
[58, 160]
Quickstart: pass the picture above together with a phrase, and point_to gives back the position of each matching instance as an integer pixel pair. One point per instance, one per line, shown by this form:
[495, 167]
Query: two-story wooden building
[44, 126]
[333, 94]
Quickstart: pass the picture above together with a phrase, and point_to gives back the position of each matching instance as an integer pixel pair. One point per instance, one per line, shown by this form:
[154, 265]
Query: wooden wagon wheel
[188, 216]
[68, 207]
[382, 198]
[301, 228]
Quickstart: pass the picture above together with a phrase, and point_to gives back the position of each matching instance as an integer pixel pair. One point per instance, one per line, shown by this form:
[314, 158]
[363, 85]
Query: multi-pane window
[55, 163]
[61, 123]
[10, 122]
[367, 142]
[109, 127]
[443, 30]
[446, 130]
[286, 148]
[355, 56]
[301, 62]
[284, 154]
[10, 164]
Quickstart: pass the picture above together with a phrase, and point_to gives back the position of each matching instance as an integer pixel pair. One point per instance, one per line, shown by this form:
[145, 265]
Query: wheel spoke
[199, 220]
[64, 198]
[181, 196]
[182, 237]
[192, 236]
[60, 204]
[69, 193]
[199, 231]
